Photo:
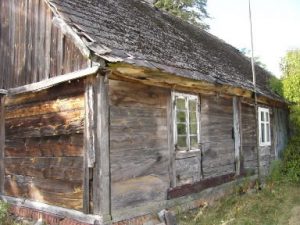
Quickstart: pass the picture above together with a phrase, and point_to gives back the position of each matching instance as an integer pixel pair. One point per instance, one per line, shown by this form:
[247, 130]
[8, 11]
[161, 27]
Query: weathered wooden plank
[62, 91]
[45, 107]
[58, 168]
[121, 94]
[47, 42]
[199, 186]
[67, 30]
[53, 81]
[137, 163]
[2, 143]
[237, 134]
[171, 144]
[187, 170]
[89, 138]
[137, 191]
[101, 179]
[55, 192]
[61, 123]
[53, 146]
[55, 210]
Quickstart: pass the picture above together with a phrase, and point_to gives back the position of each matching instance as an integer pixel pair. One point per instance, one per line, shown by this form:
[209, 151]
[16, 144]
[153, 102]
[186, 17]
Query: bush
[291, 160]
[3, 211]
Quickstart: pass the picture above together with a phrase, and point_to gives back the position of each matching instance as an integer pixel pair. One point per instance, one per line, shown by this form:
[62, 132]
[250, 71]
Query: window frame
[187, 97]
[267, 125]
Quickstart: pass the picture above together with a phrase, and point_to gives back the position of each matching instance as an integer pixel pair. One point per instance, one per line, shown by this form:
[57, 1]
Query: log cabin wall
[217, 136]
[139, 151]
[32, 48]
[44, 146]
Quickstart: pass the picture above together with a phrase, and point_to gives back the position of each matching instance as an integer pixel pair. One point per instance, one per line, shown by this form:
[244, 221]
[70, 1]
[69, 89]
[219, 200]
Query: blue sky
[276, 27]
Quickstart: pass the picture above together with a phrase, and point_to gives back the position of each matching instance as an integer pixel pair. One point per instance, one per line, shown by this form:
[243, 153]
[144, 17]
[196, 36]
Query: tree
[193, 11]
[290, 66]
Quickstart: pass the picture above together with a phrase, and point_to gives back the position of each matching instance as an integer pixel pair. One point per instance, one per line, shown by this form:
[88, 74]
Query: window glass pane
[194, 142]
[262, 116]
[193, 117]
[180, 103]
[263, 140]
[181, 117]
[268, 132]
[193, 129]
[181, 129]
[192, 105]
[267, 116]
[181, 142]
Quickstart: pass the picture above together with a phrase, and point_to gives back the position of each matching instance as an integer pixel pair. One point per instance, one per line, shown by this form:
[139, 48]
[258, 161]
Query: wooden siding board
[2, 143]
[138, 143]
[27, 45]
[217, 136]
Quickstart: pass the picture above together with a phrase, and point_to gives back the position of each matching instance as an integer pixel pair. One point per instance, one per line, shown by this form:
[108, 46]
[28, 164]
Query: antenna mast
[255, 95]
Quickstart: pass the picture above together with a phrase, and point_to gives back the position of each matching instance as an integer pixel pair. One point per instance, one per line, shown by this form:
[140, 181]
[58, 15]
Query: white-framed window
[186, 121]
[264, 127]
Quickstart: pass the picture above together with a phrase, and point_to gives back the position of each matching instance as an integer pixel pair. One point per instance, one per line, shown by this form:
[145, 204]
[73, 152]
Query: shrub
[3, 211]
[291, 160]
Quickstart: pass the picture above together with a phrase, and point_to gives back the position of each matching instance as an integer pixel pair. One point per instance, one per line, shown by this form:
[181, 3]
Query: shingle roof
[135, 32]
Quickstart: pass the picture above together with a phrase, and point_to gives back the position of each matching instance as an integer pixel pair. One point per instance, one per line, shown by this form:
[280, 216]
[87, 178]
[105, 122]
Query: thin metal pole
[255, 96]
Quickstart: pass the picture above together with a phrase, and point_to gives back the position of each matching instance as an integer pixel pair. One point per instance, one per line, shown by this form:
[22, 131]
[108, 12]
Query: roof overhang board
[70, 33]
[3, 92]
[45, 84]
[126, 72]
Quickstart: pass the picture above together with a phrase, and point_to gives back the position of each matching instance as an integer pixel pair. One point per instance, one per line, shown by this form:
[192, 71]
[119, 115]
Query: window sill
[188, 154]
[265, 145]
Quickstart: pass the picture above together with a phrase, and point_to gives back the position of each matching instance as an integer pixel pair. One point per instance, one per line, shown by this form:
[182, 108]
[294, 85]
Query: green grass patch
[270, 206]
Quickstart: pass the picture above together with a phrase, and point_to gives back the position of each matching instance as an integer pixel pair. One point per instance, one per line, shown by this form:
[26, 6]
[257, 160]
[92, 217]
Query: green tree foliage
[290, 66]
[193, 11]
[289, 86]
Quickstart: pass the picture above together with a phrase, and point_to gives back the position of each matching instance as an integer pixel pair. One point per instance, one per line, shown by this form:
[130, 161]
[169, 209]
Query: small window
[264, 127]
[186, 122]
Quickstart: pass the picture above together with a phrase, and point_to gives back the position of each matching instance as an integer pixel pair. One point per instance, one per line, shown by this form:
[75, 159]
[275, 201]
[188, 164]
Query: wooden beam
[126, 72]
[55, 210]
[45, 84]
[70, 33]
[101, 178]
[196, 187]
[3, 92]
[237, 134]
[171, 144]
[2, 143]
[89, 138]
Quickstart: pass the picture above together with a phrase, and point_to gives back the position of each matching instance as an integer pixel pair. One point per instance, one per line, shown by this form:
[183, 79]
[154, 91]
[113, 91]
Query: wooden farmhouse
[112, 110]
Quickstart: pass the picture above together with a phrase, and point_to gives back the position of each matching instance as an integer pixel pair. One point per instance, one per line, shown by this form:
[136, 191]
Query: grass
[5, 218]
[275, 204]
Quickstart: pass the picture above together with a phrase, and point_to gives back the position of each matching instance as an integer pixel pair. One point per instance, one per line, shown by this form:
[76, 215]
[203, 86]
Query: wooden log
[237, 134]
[56, 192]
[45, 107]
[2, 143]
[53, 146]
[101, 179]
[55, 210]
[68, 122]
[66, 90]
[58, 168]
